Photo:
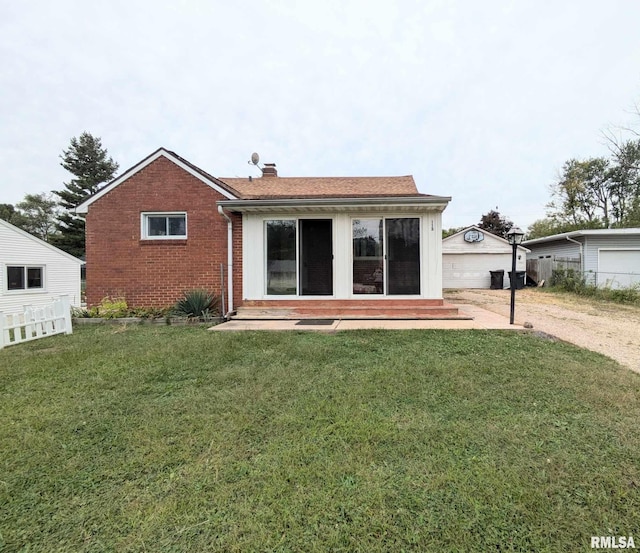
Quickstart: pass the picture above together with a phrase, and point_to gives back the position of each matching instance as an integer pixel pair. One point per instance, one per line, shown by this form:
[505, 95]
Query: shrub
[625, 295]
[80, 313]
[149, 312]
[112, 308]
[197, 303]
[570, 280]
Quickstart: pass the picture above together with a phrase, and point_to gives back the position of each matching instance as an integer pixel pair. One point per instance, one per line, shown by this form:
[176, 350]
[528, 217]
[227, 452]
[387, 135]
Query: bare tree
[617, 140]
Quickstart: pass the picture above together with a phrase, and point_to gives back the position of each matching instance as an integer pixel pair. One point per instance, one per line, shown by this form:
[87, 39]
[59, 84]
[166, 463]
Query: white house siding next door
[618, 268]
[472, 270]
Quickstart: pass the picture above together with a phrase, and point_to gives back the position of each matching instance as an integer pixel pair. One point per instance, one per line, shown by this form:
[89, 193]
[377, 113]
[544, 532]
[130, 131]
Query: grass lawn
[147, 438]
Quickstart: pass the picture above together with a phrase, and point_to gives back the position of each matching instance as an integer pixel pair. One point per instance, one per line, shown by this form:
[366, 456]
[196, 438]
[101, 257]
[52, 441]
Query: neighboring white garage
[33, 272]
[470, 255]
[618, 268]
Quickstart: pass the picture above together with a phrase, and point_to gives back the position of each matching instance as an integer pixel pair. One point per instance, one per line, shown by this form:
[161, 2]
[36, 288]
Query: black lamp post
[514, 236]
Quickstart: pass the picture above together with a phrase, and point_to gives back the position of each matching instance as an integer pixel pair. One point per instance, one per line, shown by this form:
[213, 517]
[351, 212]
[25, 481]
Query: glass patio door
[403, 256]
[316, 257]
[299, 257]
[281, 258]
[368, 256]
[386, 256]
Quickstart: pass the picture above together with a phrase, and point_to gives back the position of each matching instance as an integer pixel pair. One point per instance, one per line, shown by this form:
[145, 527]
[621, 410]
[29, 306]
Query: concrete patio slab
[480, 319]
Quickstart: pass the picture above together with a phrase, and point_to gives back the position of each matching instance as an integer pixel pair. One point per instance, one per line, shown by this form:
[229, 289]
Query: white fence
[36, 322]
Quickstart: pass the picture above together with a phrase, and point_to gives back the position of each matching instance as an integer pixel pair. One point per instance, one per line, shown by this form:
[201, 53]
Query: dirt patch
[610, 329]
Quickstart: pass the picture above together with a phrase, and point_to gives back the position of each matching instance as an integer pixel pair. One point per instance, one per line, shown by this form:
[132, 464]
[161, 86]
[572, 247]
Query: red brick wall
[157, 272]
[237, 259]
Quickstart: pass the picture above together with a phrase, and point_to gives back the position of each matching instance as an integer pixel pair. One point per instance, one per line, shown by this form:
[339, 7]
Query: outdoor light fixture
[514, 236]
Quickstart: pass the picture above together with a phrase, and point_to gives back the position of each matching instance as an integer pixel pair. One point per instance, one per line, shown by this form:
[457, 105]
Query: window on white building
[22, 277]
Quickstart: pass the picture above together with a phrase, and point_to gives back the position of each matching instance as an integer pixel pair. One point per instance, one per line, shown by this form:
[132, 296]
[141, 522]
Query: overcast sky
[479, 100]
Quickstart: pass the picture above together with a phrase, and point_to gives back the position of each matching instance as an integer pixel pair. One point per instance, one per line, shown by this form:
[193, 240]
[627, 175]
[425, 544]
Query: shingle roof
[322, 187]
[280, 188]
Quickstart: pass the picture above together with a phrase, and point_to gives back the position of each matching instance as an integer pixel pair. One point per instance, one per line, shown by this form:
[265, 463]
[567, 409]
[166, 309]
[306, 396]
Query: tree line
[50, 215]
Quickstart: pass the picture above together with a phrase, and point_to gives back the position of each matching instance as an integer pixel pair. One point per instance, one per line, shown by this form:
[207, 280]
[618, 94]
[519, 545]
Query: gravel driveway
[611, 329]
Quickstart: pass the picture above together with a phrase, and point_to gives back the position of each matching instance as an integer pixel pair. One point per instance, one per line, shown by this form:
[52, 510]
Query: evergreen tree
[87, 161]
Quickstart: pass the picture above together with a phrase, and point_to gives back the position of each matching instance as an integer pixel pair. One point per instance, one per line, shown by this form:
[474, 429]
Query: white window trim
[297, 219]
[144, 216]
[25, 290]
[265, 222]
[385, 293]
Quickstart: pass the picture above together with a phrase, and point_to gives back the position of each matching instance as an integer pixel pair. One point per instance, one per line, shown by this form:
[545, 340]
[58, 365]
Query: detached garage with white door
[606, 257]
[469, 256]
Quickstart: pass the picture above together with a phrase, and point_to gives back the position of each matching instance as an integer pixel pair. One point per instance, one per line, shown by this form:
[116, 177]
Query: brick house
[345, 246]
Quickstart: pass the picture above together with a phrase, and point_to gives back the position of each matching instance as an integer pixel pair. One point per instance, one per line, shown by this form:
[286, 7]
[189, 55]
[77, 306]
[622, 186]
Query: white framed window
[164, 226]
[24, 277]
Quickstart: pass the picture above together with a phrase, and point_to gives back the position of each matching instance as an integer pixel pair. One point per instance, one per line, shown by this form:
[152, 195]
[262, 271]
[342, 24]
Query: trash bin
[497, 280]
[520, 276]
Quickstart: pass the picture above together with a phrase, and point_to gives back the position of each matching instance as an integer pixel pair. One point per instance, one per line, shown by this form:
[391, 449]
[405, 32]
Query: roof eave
[554, 237]
[436, 202]
[586, 232]
[201, 175]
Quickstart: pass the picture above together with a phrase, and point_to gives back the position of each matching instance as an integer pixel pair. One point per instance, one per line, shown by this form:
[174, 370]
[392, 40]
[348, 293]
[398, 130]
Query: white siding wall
[560, 248]
[61, 272]
[253, 241]
[472, 270]
[252, 258]
[432, 255]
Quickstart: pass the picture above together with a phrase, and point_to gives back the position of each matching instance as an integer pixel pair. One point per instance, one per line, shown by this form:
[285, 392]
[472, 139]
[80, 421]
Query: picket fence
[36, 322]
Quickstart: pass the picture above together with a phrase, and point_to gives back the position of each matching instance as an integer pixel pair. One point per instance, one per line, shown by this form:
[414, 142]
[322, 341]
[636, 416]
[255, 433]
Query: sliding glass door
[299, 256]
[316, 257]
[368, 256]
[386, 256]
[281, 258]
[403, 256]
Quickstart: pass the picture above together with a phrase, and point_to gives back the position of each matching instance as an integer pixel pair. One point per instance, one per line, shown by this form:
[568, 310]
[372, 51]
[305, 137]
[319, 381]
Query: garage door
[472, 270]
[618, 268]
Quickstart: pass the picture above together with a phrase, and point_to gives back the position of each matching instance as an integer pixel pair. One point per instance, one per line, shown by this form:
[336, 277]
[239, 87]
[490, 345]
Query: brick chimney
[269, 170]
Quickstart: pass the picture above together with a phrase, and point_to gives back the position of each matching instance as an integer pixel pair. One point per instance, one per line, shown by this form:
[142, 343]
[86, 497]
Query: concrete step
[351, 311]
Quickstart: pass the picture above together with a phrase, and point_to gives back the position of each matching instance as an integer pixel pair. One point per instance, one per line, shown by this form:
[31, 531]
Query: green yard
[155, 438]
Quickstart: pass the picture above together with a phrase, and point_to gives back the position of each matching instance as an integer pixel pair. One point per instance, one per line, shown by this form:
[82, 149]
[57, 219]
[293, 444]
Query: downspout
[229, 261]
[581, 254]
